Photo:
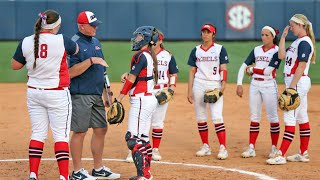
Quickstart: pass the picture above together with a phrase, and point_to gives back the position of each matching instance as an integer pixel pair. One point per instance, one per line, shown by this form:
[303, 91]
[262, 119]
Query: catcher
[164, 91]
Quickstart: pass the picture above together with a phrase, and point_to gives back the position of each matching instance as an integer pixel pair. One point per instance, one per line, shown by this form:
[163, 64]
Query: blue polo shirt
[90, 82]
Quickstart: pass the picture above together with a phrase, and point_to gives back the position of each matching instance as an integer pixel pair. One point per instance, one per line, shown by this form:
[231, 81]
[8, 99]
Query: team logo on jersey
[133, 67]
[98, 48]
[303, 55]
[226, 58]
[276, 63]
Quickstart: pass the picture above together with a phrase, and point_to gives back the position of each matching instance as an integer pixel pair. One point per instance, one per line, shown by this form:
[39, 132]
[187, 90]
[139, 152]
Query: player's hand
[190, 98]
[124, 76]
[239, 90]
[98, 60]
[285, 32]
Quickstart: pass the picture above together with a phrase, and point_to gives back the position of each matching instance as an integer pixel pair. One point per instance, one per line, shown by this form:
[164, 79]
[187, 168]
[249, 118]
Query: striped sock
[203, 131]
[221, 133]
[156, 137]
[274, 133]
[287, 139]
[304, 136]
[35, 154]
[254, 132]
[61, 150]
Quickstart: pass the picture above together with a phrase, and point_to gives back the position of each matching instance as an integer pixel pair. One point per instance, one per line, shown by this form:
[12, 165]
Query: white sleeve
[241, 73]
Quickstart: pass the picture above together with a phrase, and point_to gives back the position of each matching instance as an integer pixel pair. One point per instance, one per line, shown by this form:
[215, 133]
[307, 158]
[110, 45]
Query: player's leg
[303, 120]
[255, 104]
[216, 116]
[59, 112]
[39, 123]
[139, 123]
[200, 107]
[158, 119]
[270, 98]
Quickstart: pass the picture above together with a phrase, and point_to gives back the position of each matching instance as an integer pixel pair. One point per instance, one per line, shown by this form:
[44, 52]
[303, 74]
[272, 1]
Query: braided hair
[48, 17]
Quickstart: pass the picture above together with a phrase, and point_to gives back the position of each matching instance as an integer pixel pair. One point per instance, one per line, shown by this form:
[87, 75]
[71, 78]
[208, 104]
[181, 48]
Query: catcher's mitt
[212, 96]
[289, 99]
[165, 95]
[115, 113]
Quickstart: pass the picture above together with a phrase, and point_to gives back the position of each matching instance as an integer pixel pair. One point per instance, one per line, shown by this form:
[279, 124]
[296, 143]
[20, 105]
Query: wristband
[224, 75]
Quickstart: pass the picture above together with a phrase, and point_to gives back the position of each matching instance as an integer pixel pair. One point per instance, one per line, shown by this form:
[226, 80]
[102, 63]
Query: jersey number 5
[43, 51]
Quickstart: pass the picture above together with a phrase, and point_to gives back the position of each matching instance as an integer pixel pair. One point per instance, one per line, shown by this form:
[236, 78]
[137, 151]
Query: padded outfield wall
[178, 19]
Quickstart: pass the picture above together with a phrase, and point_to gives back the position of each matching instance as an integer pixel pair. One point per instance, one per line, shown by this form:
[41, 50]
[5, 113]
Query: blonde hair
[308, 27]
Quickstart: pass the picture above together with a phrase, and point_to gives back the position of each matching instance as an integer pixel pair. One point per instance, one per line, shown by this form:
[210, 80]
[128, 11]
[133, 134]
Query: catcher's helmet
[144, 35]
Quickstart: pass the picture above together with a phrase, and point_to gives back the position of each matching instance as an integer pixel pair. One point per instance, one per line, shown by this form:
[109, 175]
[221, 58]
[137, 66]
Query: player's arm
[282, 43]
[224, 60]
[192, 72]
[274, 64]
[173, 73]
[250, 60]
[304, 51]
[18, 60]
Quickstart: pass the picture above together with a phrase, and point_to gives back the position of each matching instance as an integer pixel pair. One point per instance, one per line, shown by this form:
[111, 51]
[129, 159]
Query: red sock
[203, 131]
[61, 150]
[287, 139]
[274, 132]
[304, 136]
[221, 133]
[35, 153]
[254, 132]
[156, 137]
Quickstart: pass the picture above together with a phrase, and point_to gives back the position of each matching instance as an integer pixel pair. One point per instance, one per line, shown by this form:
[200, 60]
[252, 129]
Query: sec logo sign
[239, 17]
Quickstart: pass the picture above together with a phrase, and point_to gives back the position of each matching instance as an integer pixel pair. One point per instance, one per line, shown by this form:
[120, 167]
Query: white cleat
[204, 151]
[299, 158]
[278, 160]
[273, 152]
[33, 176]
[156, 154]
[250, 152]
[223, 153]
[129, 158]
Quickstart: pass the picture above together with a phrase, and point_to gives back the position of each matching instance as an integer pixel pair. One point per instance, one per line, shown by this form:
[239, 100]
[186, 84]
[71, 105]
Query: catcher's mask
[144, 35]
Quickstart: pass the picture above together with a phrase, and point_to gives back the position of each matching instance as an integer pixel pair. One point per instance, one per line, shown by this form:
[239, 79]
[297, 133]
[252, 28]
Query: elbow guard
[224, 75]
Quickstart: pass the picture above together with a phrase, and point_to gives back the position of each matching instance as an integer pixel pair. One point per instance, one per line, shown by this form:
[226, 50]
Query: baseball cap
[87, 17]
[209, 27]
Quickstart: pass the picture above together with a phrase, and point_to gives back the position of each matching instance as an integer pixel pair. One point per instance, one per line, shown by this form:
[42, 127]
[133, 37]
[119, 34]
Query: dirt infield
[180, 141]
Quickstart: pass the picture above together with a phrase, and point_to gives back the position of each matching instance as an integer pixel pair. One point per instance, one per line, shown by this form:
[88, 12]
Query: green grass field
[118, 56]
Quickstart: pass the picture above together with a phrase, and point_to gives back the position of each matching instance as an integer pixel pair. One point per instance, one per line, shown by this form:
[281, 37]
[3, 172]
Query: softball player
[167, 78]
[263, 88]
[139, 85]
[208, 70]
[297, 61]
[48, 97]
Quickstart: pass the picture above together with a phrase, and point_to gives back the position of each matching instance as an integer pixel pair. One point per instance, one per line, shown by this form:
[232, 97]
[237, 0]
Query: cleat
[273, 152]
[140, 178]
[129, 158]
[250, 152]
[204, 151]
[33, 176]
[156, 154]
[223, 153]
[299, 157]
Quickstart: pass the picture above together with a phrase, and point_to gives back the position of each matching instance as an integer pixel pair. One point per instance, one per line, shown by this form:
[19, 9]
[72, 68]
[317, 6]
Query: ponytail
[37, 28]
[155, 63]
[310, 33]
